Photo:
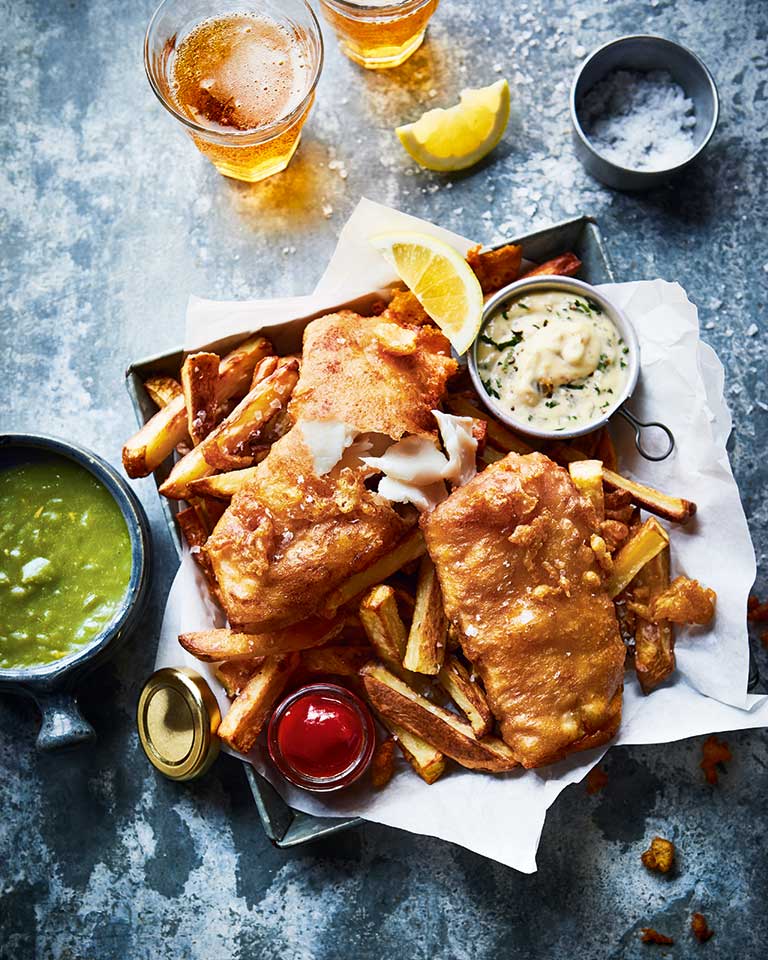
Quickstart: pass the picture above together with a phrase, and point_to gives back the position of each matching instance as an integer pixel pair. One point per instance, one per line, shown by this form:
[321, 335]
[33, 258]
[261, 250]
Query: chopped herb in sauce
[552, 359]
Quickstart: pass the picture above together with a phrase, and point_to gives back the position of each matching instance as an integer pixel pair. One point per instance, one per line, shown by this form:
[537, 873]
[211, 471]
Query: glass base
[382, 58]
[261, 171]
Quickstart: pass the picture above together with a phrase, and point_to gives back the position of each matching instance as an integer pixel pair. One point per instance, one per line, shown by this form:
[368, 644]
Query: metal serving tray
[285, 826]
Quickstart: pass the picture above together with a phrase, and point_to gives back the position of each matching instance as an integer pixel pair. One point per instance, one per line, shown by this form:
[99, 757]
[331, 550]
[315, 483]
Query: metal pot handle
[63, 724]
[639, 426]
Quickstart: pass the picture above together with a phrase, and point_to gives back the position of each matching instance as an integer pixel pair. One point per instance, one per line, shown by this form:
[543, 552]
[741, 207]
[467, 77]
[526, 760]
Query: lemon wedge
[455, 138]
[440, 279]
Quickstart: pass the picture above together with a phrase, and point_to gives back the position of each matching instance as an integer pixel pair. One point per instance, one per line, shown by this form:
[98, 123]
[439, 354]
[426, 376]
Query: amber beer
[241, 82]
[379, 33]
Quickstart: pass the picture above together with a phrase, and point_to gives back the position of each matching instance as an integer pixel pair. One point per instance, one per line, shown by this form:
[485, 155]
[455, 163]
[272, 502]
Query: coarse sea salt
[639, 120]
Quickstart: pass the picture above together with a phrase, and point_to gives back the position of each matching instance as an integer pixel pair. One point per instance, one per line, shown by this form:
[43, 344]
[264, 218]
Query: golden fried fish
[373, 374]
[523, 587]
[292, 534]
[289, 537]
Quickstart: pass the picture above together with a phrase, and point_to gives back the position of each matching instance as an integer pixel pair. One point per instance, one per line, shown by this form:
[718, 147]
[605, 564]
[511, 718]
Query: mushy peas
[552, 359]
[65, 561]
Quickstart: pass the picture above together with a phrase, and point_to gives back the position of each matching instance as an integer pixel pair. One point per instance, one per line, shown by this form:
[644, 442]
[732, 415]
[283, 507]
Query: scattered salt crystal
[709, 325]
[497, 68]
[327, 211]
[762, 405]
[339, 166]
[579, 51]
[765, 267]
[729, 332]
[752, 330]
[639, 120]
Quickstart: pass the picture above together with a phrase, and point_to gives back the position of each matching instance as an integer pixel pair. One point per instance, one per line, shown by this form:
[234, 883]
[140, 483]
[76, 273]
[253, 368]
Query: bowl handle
[639, 426]
[63, 724]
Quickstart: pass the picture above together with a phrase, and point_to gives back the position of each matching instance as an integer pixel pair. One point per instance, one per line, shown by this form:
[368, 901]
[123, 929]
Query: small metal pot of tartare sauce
[53, 685]
[569, 285]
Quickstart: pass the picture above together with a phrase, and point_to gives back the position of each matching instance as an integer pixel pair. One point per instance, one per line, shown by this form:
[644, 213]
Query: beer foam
[242, 71]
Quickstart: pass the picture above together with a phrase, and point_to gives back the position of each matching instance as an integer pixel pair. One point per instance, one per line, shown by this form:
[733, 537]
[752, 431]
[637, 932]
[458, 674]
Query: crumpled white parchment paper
[502, 817]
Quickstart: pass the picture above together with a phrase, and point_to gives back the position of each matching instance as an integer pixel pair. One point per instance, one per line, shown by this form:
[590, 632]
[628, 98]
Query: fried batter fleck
[649, 935]
[660, 856]
[757, 612]
[405, 310]
[713, 751]
[700, 928]
[495, 268]
[597, 778]
[684, 601]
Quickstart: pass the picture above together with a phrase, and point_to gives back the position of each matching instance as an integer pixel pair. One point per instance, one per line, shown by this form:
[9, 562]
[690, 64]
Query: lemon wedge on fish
[458, 137]
[440, 279]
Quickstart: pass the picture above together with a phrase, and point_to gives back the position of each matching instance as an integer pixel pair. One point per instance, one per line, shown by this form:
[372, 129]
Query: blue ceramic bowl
[53, 685]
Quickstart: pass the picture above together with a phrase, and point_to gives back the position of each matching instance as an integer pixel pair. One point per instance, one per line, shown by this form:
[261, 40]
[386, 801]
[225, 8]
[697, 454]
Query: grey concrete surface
[109, 220]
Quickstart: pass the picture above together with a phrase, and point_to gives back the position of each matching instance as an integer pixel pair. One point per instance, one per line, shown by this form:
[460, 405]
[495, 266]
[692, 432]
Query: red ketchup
[321, 737]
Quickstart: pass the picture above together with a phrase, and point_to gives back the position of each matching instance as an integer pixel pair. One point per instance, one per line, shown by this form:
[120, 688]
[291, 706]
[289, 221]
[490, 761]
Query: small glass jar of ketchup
[321, 737]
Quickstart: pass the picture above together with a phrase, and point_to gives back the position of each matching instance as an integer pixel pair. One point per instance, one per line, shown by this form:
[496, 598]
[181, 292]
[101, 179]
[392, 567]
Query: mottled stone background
[109, 220]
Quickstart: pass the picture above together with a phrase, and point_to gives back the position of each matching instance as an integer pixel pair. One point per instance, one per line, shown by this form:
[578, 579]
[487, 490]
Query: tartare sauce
[552, 359]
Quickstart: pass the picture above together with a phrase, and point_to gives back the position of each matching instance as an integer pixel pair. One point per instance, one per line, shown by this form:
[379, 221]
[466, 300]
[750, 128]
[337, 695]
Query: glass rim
[353, 7]
[247, 137]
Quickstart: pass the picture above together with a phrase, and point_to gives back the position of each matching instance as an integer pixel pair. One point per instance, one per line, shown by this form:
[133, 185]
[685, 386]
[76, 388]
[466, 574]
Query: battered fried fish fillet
[289, 537]
[374, 374]
[524, 589]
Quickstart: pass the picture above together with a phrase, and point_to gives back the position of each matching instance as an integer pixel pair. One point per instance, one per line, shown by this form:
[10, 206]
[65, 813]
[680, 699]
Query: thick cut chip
[429, 630]
[163, 390]
[223, 644]
[148, 448]
[523, 586]
[565, 265]
[466, 693]
[645, 543]
[250, 711]
[372, 374]
[199, 380]
[399, 703]
[654, 642]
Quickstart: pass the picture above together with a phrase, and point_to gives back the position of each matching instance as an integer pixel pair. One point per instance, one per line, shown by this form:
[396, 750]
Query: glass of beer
[240, 77]
[379, 33]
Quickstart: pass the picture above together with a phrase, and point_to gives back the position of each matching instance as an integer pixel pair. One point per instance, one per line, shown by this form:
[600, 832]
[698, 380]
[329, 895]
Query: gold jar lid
[178, 717]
